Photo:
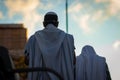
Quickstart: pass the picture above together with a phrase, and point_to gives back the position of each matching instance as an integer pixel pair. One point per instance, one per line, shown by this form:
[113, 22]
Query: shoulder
[31, 38]
[38, 32]
[70, 36]
[102, 58]
[70, 39]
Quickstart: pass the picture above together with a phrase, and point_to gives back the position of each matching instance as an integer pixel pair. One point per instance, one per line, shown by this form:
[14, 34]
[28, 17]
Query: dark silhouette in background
[5, 65]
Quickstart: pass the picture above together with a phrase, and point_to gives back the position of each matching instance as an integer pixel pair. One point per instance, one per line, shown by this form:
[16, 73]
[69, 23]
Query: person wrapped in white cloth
[51, 48]
[90, 66]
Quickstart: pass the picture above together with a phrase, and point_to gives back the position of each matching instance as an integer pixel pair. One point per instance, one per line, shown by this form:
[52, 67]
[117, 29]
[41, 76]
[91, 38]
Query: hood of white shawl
[90, 64]
[50, 39]
[88, 50]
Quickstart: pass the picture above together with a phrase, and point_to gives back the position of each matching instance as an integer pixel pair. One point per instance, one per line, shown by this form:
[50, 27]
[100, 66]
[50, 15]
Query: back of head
[50, 18]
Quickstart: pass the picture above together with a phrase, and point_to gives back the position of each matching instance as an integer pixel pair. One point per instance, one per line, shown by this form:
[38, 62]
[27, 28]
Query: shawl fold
[52, 48]
[90, 66]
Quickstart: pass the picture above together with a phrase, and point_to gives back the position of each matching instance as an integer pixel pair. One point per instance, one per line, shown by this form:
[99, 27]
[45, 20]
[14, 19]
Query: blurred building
[13, 37]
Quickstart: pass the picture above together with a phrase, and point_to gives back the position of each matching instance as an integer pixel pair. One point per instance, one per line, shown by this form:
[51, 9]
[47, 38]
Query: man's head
[50, 18]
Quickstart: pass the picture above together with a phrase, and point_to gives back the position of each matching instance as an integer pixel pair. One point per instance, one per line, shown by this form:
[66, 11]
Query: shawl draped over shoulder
[52, 48]
[90, 66]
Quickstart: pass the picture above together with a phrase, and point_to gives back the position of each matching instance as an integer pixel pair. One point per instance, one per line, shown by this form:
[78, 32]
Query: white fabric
[90, 66]
[57, 49]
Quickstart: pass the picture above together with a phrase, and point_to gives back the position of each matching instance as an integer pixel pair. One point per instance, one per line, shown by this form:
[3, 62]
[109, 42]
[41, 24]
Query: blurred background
[91, 22]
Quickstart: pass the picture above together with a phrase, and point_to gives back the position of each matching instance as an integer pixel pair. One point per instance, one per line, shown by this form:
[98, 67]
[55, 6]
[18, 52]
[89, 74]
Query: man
[90, 66]
[51, 48]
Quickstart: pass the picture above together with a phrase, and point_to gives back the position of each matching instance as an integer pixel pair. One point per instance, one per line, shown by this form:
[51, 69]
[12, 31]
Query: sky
[91, 22]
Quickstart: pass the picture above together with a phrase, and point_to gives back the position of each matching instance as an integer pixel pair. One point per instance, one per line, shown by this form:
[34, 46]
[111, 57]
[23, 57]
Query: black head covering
[50, 17]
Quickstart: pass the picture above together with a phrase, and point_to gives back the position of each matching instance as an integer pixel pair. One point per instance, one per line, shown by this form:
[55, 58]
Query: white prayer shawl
[52, 48]
[90, 66]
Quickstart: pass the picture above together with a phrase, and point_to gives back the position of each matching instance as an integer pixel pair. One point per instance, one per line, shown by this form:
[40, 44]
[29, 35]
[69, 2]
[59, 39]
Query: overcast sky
[93, 22]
